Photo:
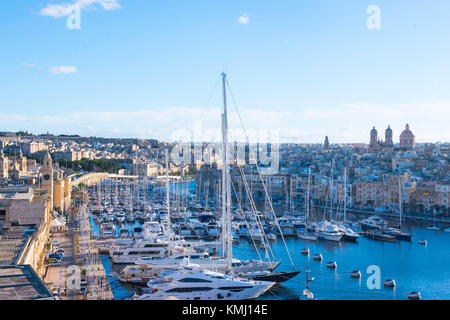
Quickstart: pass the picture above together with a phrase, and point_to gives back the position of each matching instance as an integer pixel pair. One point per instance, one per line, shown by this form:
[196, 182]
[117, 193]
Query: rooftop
[21, 282]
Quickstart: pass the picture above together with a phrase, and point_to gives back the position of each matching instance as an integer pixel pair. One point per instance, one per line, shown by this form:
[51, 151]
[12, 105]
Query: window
[189, 289]
[194, 280]
[2, 215]
[235, 288]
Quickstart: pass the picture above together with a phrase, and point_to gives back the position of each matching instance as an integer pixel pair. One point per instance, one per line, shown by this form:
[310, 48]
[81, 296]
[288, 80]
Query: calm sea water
[413, 266]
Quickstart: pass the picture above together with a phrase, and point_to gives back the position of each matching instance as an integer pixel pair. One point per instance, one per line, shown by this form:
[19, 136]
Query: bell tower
[4, 166]
[373, 138]
[388, 137]
[22, 163]
[47, 175]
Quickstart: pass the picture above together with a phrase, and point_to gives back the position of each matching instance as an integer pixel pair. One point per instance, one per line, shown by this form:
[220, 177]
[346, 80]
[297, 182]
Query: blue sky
[140, 68]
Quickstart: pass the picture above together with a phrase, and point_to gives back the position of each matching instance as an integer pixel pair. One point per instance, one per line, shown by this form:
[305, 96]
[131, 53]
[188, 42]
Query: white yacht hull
[214, 294]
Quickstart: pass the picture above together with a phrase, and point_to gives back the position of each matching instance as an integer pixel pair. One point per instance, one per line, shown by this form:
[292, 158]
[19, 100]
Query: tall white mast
[226, 184]
[345, 194]
[331, 189]
[307, 195]
[400, 200]
[168, 197]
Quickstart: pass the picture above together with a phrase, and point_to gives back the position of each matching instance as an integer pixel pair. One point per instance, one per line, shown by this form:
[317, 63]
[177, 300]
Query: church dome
[407, 132]
[374, 131]
[389, 129]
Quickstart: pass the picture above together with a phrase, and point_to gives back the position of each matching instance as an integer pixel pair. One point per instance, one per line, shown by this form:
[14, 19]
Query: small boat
[332, 265]
[389, 283]
[423, 242]
[356, 274]
[433, 228]
[305, 252]
[447, 230]
[414, 296]
[318, 257]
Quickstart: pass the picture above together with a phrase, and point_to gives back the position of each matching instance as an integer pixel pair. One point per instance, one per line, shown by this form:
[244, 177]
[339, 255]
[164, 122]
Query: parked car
[56, 256]
[53, 260]
[83, 290]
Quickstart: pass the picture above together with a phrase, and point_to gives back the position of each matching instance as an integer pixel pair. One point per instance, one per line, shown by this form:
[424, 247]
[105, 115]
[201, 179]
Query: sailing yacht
[193, 283]
[434, 227]
[397, 231]
[304, 234]
[204, 260]
[348, 234]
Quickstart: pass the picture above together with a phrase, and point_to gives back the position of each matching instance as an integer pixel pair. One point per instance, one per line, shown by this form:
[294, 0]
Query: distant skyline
[145, 69]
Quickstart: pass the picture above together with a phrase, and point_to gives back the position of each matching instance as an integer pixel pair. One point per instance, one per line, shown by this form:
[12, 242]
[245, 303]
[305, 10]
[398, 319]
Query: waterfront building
[369, 193]
[25, 216]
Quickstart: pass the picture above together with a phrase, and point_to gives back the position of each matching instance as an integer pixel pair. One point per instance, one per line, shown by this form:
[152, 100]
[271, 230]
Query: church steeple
[326, 144]
[48, 162]
[47, 175]
[388, 137]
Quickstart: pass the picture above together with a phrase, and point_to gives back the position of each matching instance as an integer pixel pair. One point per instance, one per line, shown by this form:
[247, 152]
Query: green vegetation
[24, 134]
[69, 136]
[91, 165]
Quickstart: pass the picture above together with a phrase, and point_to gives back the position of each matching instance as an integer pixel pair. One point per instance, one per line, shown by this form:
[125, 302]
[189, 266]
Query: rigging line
[262, 180]
[209, 99]
[248, 226]
[264, 238]
[254, 210]
[260, 226]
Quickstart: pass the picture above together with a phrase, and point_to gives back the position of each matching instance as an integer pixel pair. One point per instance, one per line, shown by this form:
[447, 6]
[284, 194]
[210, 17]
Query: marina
[411, 264]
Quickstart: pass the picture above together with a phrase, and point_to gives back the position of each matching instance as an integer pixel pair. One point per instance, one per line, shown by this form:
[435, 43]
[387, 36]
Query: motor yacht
[107, 230]
[328, 231]
[373, 223]
[194, 283]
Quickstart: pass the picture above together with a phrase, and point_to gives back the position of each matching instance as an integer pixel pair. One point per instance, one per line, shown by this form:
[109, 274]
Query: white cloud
[244, 19]
[345, 123]
[65, 9]
[28, 64]
[63, 70]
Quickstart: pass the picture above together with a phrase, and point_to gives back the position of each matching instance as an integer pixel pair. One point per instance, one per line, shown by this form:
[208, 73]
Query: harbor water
[414, 267]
